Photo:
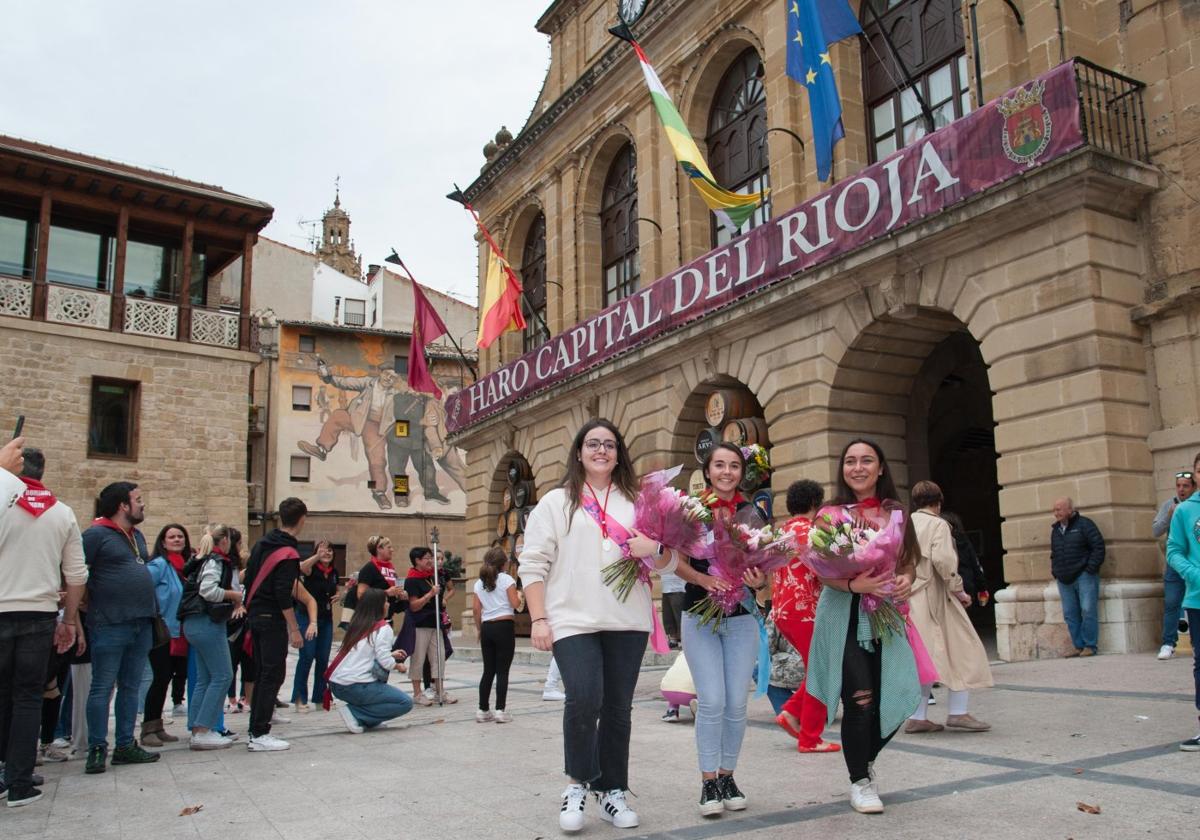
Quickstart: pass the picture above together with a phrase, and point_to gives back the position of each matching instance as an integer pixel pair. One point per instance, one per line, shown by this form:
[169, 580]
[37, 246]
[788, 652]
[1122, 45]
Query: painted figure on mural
[449, 457]
[411, 410]
[370, 415]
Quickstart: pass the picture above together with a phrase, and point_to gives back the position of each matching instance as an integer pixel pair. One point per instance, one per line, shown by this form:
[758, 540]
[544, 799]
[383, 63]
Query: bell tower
[337, 250]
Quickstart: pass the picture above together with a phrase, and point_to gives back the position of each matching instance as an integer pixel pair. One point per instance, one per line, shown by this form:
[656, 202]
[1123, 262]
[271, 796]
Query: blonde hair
[212, 535]
[374, 543]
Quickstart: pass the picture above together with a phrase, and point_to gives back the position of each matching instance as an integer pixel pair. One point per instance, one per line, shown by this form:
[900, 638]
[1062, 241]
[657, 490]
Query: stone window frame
[133, 394]
[737, 120]
[619, 243]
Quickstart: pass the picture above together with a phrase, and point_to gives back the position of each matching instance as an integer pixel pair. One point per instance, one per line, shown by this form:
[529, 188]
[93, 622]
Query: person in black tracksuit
[272, 620]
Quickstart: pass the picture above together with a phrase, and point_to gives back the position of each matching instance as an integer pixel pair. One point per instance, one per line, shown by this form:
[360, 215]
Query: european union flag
[812, 26]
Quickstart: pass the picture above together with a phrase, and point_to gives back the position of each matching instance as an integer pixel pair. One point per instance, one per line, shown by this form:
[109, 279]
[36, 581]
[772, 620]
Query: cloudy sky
[274, 99]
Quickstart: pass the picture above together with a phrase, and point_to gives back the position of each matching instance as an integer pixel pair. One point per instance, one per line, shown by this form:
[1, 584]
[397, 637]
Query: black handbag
[162, 633]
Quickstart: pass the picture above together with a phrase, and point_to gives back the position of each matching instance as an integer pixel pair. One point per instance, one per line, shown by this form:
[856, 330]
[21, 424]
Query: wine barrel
[523, 494]
[696, 483]
[522, 519]
[506, 498]
[518, 470]
[518, 544]
[502, 525]
[514, 520]
[728, 404]
[706, 439]
[745, 431]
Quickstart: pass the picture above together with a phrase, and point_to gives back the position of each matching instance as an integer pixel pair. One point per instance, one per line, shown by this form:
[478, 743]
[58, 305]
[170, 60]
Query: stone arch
[519, 220]
[589, 276]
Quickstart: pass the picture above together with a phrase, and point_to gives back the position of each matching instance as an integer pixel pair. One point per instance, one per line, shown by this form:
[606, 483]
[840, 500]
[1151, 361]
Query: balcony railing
[81, 307]
[1112, 115]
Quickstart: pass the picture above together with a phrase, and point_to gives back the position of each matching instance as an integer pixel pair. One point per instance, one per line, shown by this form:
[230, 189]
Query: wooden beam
[93, 186]
[115, 192]
[39, 265]
[185, 282]
[244, 304]
[118, 289]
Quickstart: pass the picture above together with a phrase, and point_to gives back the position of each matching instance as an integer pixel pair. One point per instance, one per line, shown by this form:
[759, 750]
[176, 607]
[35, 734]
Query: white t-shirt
[495, 603]
[356, 666]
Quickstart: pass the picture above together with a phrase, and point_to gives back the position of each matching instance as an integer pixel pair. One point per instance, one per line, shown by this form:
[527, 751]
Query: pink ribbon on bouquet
[621, 536]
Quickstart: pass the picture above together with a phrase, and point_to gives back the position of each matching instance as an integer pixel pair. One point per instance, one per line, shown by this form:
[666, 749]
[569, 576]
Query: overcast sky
[273, 100]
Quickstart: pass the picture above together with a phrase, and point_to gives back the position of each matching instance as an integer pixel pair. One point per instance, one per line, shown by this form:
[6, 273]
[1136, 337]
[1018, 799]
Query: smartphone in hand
[20, 425]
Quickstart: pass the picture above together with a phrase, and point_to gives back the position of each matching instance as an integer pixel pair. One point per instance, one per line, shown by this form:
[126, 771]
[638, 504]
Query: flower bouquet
[666, 516]
[742, 544]
[758, 466]
[846, 541]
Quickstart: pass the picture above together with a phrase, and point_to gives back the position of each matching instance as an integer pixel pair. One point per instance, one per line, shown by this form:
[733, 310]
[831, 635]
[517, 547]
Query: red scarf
[176, 561]
[36, 499]
[731, 505]
[387, 570]
[330, 571]
[870, 502]
[414, 574]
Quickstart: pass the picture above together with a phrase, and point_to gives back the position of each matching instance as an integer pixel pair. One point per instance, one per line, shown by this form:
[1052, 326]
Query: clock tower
[336, 250]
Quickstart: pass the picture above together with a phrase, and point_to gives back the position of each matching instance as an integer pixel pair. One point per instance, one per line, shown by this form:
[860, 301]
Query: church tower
[337, 251]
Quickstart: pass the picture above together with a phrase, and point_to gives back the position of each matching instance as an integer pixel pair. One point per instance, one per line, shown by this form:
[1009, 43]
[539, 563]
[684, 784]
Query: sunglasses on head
[1183, 475]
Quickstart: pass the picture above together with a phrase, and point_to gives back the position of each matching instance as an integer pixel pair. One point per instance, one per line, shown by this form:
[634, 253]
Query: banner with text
[1029, 126]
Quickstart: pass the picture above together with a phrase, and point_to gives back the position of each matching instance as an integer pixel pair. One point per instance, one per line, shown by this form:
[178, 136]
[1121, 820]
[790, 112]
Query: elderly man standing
[121, 611]
[1076, 552]
[39, 549]
[1173, 585]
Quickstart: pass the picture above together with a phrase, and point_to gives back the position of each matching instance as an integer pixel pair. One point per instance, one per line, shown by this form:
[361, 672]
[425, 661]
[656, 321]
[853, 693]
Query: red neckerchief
[870, 502]
[176, 561]
[36, 499]
[731, 505]
[105, 522]
[387, 570]
[415, 574]
[329, 570]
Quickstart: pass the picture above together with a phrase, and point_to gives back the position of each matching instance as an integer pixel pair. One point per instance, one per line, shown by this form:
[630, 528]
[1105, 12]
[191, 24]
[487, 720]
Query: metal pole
[440, 680]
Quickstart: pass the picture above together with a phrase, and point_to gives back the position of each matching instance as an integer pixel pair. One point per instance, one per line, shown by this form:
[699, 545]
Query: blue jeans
[312, 652]
[722, 664]
[193, 677]
[1080, 601]
[374, 702]
[1173, 591]
[213, 670]
[119, 654]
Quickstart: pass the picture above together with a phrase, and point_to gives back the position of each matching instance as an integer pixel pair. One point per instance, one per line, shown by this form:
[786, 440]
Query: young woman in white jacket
[358, 674]
[598, 640]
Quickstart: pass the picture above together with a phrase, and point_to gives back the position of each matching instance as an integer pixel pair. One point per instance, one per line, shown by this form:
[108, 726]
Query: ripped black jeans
[861, 739]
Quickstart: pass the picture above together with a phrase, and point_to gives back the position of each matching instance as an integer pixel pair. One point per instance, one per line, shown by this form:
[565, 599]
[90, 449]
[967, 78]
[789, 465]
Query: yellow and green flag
[736, 207]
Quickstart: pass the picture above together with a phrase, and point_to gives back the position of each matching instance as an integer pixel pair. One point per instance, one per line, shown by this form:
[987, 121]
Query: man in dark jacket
[120, 618]
[1076, 552]
[271, 576]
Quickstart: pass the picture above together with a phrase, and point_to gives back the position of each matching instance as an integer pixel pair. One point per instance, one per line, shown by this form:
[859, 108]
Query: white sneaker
[179, 711]
[267, 743]
[51, 753]
[61, 743]
[553, 694]
[209, 740]
[484, 717]
[864, 799]
[1166, 652]
[280, 719]
[503, 717]
[570, 818]
[614, 809]
[349, 719]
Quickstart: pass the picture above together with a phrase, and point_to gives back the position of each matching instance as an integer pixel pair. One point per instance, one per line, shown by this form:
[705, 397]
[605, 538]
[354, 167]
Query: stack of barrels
[733, 416]
[516, 504]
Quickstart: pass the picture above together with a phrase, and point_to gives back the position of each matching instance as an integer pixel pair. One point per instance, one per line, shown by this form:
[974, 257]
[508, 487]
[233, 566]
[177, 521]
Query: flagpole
[458, 196]
[461, 354]
[437, 620]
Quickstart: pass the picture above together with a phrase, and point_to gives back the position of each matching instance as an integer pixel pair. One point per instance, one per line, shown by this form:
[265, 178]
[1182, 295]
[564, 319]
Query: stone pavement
[1103, 731]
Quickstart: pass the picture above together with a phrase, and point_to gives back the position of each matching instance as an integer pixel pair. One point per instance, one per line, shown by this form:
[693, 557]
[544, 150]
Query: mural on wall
[374, 443]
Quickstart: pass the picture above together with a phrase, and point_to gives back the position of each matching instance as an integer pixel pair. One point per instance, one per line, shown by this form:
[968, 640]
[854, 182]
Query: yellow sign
[400, 486]
[401, 428]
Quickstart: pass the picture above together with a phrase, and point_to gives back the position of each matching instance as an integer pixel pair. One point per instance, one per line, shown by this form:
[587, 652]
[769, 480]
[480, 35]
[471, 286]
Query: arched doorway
[919, 386]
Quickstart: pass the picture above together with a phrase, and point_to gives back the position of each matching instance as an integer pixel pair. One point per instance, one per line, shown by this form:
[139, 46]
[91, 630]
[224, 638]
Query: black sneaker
[1183, 625]
[28, 797]
[710, 798]
[1191, 745]
[733, 798]
[133, 754]
[97, 759]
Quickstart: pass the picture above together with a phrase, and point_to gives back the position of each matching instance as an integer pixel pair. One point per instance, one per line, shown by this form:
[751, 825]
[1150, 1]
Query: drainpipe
[1062, 44]
[978, 62]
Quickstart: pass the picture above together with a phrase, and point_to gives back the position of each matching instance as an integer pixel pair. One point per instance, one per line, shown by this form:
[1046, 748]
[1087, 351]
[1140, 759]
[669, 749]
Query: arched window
[928, 36]
[737, 125]
[618, 227]
[533, 279]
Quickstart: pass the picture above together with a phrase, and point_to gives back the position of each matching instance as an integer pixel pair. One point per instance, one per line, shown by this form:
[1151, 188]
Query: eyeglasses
[594, 445]
[1183, 475]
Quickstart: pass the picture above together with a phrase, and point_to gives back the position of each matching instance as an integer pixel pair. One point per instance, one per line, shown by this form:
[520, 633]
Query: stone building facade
[121, 345]
[1035, 339]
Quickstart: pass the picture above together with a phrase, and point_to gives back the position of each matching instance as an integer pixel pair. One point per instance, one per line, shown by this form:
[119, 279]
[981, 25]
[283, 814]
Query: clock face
[630, 10]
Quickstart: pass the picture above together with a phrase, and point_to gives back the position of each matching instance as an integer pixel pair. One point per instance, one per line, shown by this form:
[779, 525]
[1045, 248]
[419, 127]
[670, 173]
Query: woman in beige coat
[938, 605]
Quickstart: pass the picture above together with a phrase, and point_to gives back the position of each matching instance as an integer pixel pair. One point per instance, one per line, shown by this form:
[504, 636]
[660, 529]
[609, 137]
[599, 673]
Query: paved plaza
[1101, 731]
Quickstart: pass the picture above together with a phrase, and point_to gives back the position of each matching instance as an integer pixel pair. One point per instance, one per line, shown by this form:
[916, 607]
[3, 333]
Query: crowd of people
[96, 626]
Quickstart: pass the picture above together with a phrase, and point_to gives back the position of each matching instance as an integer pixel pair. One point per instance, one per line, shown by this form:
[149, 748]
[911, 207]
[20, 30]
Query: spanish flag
[500, 307]
[735, 207]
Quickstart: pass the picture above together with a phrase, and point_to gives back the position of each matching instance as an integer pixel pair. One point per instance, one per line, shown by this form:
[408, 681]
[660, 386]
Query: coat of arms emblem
[1026, 132]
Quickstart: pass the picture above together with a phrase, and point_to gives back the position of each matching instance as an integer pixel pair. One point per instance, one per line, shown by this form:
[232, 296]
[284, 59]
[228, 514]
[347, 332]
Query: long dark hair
[885, 491]
[494, 562]
[371, 607]
[576, 477]
[160, 550]
[235, 548]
